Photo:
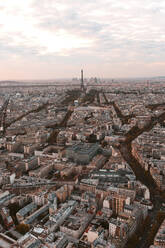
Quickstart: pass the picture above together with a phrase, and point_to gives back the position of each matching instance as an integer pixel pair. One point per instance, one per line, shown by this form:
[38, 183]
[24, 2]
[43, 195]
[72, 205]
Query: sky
[49, 39]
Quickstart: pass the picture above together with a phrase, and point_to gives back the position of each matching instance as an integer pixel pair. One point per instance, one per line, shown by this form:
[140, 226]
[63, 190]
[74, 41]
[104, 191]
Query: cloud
[76, 31]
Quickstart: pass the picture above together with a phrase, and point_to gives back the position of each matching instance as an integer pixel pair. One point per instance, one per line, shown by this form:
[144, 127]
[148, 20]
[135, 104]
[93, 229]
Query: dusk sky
[49, 39]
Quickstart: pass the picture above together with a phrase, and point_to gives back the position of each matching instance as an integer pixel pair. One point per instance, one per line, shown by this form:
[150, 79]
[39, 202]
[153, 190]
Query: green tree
[22, 228]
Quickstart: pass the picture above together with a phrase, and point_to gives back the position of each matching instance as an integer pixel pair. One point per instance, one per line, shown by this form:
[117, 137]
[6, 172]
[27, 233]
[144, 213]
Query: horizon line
[71, 78]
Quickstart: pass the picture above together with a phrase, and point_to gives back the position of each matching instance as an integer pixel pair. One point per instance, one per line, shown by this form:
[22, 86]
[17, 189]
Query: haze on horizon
[55, 39]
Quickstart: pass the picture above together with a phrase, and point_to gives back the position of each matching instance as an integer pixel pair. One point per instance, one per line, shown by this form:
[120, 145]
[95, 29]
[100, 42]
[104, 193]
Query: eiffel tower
[82, 81]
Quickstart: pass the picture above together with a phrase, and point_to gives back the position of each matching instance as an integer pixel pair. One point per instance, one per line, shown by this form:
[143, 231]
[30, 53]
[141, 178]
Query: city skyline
[55, 39]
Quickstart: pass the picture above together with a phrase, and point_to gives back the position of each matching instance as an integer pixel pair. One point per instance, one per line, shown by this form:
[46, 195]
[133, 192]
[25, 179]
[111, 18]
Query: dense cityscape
[82, 163]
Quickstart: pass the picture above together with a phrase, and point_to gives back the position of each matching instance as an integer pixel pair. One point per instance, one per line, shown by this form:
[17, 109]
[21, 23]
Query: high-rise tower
[82, 81]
